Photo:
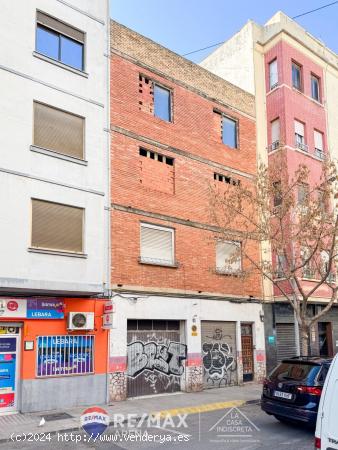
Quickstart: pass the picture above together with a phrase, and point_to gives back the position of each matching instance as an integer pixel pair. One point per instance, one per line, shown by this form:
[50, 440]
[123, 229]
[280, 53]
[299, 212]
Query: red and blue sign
[94, 421]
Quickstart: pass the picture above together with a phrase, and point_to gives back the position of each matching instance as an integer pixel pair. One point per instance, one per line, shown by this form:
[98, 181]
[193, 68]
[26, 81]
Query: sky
[187, 25]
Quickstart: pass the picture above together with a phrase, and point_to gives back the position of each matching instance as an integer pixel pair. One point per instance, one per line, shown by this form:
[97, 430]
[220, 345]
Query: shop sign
[12, 308]
[7, 344]
[45, 308]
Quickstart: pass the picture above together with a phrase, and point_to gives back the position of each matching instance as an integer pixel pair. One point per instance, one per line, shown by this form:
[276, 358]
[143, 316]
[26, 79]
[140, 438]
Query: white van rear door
[328, 410]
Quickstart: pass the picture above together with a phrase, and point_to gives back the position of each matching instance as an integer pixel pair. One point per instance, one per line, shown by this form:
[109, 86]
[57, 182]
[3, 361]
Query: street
[242, 428]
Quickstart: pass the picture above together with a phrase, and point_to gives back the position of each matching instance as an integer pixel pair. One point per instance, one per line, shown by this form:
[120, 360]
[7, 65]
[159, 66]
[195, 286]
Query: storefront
[168, 344]
[48, 353]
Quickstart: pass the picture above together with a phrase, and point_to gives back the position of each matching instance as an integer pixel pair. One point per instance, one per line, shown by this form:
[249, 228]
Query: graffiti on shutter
[155, 361]
[219, 354]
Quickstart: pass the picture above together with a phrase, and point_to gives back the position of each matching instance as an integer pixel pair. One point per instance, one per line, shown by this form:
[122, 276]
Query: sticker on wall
[271, 339]
[12, 307]
[194, 330]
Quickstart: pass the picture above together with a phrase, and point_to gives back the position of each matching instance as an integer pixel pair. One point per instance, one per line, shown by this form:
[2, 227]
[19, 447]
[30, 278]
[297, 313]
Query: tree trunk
[304, 337]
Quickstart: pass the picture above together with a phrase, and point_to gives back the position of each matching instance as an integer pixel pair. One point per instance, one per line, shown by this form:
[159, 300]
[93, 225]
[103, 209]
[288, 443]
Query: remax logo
[94, 421]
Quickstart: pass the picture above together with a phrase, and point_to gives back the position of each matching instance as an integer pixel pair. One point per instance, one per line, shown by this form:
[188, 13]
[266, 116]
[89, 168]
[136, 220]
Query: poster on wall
[45, 308]
[7, 380]
[65, 355]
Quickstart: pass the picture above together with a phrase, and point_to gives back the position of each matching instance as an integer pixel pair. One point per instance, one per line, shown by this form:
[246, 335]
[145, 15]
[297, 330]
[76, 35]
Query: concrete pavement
[173, 404]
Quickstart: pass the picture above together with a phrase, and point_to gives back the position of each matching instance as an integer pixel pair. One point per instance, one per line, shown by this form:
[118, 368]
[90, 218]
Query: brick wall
[146, 188]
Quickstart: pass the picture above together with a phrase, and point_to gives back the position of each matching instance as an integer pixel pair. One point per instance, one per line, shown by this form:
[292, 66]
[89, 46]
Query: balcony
[303, 147]
[331, 278]
[319, 154]
[308, 273]
[274, 146]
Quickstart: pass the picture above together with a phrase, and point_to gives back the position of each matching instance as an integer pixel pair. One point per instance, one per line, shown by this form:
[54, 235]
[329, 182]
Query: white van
[326, 437]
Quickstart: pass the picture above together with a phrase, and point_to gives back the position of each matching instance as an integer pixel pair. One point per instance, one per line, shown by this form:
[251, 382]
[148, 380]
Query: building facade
[183, 321]
[290, 73]
[54, 166]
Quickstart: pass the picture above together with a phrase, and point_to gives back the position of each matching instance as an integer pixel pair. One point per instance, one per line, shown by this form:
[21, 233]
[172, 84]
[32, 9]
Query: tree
[295, 215]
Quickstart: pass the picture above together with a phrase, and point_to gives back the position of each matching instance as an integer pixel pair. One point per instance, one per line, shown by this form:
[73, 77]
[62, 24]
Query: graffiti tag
[166, 359]
[218, 363]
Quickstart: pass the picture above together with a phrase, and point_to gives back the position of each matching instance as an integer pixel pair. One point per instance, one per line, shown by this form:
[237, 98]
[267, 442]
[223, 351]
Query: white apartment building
[54, 162]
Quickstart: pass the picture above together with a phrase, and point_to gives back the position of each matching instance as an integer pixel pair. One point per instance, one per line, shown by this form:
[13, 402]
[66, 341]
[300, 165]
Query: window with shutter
[59, 131]
[57, 227]
[157, 245]
[275, 134]
[228, 257]
[273, 72]
[318, 140]
[299, 136]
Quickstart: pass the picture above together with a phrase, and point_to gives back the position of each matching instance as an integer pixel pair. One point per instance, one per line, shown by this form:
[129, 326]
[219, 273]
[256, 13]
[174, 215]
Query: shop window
[65, 355]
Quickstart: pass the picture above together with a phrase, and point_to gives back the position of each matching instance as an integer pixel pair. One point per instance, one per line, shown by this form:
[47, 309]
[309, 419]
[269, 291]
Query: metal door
[9, 361]
[247, 352]
[219, 354]
[155, 357]
[286, 346]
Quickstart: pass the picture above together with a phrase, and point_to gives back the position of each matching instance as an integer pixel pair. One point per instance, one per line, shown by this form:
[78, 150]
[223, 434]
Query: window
[156, 156]
[225, 179]
[58, 131]
[303, 193]
[325, 261]
[306, 256]
[319, 146]
[57, 227]
[162, 103]
[281, 264]
[229, 132]
[228, 257]
[277, 193]
[275, 134]
[157, 245]
[299, 136]
[296, 76]
[322, 201]
[65, 355]
[315, 93]
[273, 74]
[60, 41]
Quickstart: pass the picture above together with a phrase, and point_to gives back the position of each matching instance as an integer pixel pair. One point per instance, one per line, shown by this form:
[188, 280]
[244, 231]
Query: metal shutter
[156, 244]
[57, 227]
[286, 347]
[58, 130]
[60, 27]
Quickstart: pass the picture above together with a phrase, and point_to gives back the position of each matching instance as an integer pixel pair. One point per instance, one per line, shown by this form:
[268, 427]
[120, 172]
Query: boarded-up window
[157, 244]
[228, 257]
[58, 131]
[57, 227]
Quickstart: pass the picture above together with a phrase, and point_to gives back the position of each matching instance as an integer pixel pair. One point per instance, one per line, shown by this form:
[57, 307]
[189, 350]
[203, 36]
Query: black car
[292, 390]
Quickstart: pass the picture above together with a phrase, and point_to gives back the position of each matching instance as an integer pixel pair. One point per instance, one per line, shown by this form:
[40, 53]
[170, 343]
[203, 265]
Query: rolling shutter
[286, 347]
[273, 73]
[318, 140]
[299, 128]
[228, 256]
[275, 130]
[60, 27]
[156, 244]
[57, 227]
[58, 130]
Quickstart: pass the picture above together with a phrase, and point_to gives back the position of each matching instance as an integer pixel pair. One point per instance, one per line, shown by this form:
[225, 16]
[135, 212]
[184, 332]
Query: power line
[294, 17]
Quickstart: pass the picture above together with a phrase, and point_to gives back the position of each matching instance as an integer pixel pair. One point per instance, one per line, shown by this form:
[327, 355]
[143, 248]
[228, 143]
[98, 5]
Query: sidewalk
[178, 403]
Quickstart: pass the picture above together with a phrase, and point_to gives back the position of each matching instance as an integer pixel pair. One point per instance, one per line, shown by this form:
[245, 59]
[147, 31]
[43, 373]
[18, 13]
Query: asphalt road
[247, 428]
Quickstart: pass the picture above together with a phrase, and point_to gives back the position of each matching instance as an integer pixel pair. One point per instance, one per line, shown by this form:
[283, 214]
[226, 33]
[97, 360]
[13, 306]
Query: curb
[112, 423]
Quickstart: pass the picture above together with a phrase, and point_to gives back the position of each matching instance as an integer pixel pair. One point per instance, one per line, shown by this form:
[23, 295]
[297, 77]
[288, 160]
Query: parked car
[326, 436]
[292, 391]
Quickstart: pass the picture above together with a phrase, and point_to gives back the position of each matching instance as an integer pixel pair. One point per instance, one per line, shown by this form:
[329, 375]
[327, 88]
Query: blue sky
[186, 25]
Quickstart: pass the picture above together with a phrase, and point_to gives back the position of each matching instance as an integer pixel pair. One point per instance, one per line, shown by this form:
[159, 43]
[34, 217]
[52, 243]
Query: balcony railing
[303, 147]
[274, 146]
[308, 273]
[319, 153]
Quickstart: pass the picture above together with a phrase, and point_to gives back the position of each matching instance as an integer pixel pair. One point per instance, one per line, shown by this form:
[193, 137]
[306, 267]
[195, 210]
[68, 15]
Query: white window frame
[146, 260]
[273, 76]
[224, 270]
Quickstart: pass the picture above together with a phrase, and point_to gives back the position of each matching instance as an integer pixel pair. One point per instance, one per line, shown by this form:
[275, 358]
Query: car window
[322, 374]
[294, 372]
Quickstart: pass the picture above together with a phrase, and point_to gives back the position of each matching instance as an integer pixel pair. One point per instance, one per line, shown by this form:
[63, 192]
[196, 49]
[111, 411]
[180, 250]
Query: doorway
[325, 339]
[247, 352]
[9, 362]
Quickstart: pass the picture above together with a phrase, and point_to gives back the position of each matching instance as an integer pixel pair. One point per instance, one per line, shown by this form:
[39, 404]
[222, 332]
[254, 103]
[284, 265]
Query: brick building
[294, 78]
[184, 319]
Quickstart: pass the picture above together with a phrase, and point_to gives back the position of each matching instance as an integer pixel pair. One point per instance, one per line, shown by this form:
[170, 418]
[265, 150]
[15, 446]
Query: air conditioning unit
[80, 321]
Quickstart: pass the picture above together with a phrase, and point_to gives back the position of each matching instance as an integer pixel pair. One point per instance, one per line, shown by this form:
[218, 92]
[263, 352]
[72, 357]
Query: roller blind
[60, 27]
[275, 130]
[58, 130]
[299, 128]
[157, 244]
[273, 68]
[228, 256]
[56, 226]
[318, 140]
